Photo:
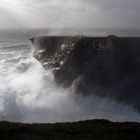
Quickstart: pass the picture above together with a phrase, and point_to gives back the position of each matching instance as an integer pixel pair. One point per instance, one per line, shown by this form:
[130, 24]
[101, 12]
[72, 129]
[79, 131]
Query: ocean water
[29, 94]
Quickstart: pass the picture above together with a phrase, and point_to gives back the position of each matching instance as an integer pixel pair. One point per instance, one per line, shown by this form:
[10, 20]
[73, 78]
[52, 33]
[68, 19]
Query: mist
[29, 94]
[69, 14]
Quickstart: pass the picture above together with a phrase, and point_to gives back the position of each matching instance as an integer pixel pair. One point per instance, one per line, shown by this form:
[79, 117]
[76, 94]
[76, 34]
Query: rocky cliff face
[106, 66]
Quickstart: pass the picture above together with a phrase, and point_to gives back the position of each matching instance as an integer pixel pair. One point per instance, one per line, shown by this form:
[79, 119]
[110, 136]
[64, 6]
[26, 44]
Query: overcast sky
[70, 13]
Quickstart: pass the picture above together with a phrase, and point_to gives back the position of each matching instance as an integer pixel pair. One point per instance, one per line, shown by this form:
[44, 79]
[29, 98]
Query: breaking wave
[28, 93]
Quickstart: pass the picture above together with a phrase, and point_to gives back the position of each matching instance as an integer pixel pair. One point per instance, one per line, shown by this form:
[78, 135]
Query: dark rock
[108, 65]
[83, 130]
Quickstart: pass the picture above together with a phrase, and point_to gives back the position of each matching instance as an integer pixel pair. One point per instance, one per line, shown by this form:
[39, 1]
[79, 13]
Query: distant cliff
[105, 66]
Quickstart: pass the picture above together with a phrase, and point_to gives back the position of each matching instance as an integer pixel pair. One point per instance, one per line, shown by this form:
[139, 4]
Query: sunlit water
[28, 92]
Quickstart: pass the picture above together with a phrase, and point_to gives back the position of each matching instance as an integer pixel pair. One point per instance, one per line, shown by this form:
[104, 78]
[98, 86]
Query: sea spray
[29, 94]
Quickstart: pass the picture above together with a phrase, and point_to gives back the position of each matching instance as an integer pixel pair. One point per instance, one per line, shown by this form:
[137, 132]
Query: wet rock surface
[106, 66]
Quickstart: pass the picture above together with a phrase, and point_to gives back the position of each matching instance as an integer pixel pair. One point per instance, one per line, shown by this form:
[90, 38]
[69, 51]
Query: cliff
[105, 66]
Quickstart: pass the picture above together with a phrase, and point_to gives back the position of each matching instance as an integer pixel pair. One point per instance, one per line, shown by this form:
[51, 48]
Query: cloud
[72, 13]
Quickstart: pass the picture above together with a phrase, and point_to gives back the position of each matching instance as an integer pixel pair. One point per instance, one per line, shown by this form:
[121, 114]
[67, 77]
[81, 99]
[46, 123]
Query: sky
[69, 13]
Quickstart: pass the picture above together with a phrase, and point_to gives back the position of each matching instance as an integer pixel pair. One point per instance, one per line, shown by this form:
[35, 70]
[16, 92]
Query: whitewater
[28, 93]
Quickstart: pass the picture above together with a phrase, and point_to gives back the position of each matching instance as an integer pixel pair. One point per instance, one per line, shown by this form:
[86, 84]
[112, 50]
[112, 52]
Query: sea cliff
[105, 66]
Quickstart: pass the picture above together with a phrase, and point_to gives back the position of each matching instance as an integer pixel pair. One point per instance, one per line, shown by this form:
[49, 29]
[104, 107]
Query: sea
[28, 93]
